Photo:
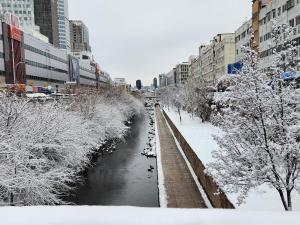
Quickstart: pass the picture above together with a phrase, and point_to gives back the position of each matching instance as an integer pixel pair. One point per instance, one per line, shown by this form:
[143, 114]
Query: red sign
[97, 69]
[15, 33]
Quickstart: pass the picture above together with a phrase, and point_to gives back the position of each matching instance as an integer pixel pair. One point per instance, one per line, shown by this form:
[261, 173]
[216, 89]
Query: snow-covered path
[181, 188]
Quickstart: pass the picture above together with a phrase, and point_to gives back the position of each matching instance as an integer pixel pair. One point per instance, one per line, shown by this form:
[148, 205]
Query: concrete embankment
[215, 195]
[181, 189]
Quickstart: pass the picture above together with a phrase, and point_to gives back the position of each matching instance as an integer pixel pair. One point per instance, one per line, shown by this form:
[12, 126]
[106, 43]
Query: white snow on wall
[84, 215]
[163, 201]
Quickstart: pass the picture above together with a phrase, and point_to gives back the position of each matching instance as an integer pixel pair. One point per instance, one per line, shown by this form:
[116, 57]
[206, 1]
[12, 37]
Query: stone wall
[210, 187]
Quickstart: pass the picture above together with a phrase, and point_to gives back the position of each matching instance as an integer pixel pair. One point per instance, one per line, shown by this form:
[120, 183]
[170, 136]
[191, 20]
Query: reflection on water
[122, 178]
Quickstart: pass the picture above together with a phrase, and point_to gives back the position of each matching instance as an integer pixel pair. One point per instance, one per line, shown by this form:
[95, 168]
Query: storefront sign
[15, 33]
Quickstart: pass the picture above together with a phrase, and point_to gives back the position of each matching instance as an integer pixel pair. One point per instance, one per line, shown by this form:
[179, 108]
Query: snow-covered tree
[261, 124]
[44, 145]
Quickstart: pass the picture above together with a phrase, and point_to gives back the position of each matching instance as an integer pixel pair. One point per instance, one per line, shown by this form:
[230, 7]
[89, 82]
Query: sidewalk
[182, 191]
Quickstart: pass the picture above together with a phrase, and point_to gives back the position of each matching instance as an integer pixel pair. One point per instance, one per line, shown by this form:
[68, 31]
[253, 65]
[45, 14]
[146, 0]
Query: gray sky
[139, 39]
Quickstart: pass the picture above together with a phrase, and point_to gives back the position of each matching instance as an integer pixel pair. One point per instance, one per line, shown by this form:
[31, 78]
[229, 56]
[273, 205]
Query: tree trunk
[11, 199]
[289, 199]
[283, 199]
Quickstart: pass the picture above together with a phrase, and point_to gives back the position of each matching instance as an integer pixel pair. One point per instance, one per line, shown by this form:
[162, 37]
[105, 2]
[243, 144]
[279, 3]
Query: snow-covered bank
[140, 216]
[44, 145]
[163, 201]
[199, 136]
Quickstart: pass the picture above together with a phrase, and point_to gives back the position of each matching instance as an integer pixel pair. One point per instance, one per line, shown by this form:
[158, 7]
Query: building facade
[24, 9]
[53, 19]
[42, 64]
[182, 72]
[257, 5]
[194, 70]
[162, 79]
[171, 78]
[79, 34]
[284, 12]
[242, 38]
[216, 57]
[206, 55]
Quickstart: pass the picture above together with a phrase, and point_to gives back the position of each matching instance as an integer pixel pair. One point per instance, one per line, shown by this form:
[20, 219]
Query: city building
[171, 78]
[285, 12]
[41, 64]
[257, 5]
[216, 57]
[182, 72]
[162, 79]
[52, 16]
[155, 85]
[194, 70]
[121, 84]
[242, 38]
[206, 56]
[79, 34]
[23, 9]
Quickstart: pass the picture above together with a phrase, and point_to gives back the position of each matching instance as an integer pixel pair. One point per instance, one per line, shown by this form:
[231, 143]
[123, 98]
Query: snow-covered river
[123, 177]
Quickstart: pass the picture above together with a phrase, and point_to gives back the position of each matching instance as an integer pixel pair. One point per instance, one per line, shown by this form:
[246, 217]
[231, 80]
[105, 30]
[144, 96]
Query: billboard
[14, 54]
[74, 69]
[15, 33]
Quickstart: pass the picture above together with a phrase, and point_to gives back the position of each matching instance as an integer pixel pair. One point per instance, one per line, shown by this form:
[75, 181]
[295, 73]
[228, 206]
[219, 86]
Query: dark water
[122, 178]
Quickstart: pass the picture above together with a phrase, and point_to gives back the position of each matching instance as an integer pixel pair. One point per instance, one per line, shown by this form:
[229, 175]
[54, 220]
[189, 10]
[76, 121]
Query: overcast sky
[139, 39]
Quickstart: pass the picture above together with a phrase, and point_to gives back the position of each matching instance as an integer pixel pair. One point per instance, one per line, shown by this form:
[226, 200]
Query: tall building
[79, 33]
[171, 78]
[285, 12]
[194, 70]
[53, 19]
[182, 72]
[162, 80]
[257, 5]
[24, 9]
[155, 85]
[242, 38]
[206, 55]
[216, 56]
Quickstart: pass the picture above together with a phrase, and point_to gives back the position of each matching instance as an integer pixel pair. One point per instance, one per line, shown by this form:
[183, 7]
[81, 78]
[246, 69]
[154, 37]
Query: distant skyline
[140, 39]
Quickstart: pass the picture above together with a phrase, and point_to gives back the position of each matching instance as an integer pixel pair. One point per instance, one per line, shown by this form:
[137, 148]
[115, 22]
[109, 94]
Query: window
[292, 22]
[279, 11]
[274, 13]
[298, 19]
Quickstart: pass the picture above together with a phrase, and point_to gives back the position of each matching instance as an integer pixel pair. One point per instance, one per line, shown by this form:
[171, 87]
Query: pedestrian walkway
[181, 189]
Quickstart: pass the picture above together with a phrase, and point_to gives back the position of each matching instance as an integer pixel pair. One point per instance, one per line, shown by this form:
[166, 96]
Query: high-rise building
[194, 71]
[79, 34]
[53, 19]
[257, 5]
[284, 12]
[182, 72]
[155, 85]
[242, 38]
[216, 56]
[162, 80]
[24, 9]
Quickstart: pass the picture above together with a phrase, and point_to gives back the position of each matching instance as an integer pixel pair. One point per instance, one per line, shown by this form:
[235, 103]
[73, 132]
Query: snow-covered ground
[140, 216]
[199, 136]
